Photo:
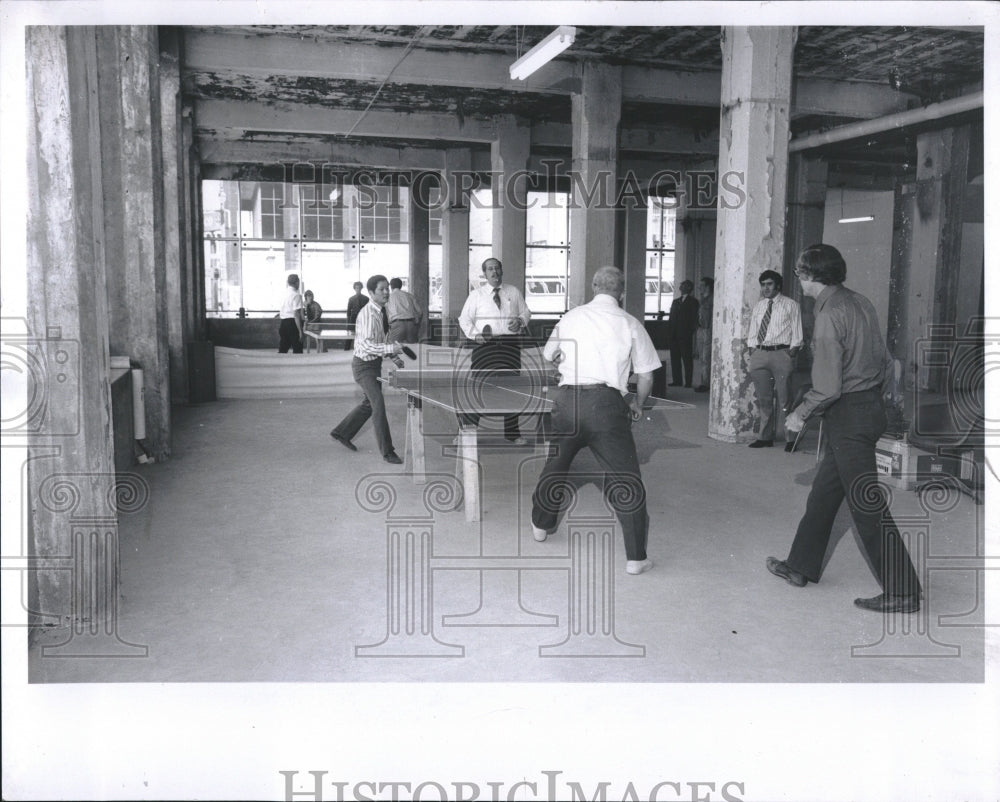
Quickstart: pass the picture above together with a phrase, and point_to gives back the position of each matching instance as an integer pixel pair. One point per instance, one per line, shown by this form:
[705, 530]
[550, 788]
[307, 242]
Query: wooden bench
[320, 338]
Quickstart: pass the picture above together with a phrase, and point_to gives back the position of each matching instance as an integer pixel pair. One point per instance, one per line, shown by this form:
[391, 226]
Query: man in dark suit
[681, 328]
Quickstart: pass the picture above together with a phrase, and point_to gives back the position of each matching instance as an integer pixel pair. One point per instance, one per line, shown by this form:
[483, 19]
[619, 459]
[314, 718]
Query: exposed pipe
[903, 119]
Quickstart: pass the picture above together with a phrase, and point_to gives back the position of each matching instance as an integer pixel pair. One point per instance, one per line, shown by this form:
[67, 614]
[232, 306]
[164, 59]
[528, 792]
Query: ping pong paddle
[487, 332]
[409, 352]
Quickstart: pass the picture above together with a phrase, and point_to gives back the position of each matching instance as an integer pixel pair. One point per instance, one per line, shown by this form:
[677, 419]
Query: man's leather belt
[772, 347]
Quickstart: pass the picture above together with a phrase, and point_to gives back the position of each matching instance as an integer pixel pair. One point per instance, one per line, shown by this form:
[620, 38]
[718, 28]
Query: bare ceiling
[922, 65]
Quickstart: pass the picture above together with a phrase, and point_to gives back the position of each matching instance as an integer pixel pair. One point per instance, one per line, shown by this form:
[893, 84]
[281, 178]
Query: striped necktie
[496, 296]
[762, 331]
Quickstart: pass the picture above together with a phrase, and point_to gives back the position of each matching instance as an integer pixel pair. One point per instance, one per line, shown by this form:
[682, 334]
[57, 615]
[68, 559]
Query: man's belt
[773, 347]
[401, 319]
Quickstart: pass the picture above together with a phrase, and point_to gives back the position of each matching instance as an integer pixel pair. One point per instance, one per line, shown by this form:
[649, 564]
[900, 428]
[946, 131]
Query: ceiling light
[865, 219]
[542, 53]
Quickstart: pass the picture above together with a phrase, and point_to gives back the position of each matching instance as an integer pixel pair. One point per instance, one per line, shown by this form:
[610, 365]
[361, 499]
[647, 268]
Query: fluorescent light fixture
[864, 219]
[542, 53]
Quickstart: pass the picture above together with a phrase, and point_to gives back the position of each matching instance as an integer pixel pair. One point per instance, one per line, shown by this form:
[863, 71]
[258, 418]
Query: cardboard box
[895, 460]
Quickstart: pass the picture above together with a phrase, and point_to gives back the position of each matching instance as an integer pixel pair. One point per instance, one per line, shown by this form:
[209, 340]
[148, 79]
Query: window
[661, 217]
[547, 251]
[256, 233]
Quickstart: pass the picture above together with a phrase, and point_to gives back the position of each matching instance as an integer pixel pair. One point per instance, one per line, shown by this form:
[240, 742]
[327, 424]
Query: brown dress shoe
[782, 569]
[884, 603]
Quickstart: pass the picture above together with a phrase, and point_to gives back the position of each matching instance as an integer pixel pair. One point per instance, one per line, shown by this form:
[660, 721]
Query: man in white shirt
[405, 314]
[290, 329]
[773, 337]
[370, 347]
[495, 316]
[596, 347]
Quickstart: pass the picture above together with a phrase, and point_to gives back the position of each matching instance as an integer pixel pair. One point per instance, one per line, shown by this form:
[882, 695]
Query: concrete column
[128, 78]
[455, 248]
[596, 114]
[194, 230]
[807, 179]
[352, 237]
[942, 179]
[71, 450]
[753, 141]
[418, 236]
[174, 209]
[508, 159]
[684, 243]
[635, 261]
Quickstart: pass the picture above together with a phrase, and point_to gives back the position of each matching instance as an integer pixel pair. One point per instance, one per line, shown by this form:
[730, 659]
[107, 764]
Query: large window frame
[658, 280]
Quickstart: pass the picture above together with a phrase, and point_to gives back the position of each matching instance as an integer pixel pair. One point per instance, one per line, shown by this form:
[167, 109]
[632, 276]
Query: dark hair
[309, 294]
[770, 274]
[492, 259]
[822, 263]
[709, 282]
[396, 284]
[358, 285]
[373, 282]
[293, 280]
[687, 283]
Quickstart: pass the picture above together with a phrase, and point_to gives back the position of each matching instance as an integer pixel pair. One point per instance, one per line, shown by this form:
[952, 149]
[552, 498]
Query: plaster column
[176, 271]
[936, 253]
[418, 236]
[635, 261]
[70, 447]
[131, 158]
[455, 247]
[753, 152]
[508, 162]
[596, 115]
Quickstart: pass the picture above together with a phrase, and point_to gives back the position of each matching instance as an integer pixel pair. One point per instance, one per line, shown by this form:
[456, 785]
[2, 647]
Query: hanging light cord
[385, 80]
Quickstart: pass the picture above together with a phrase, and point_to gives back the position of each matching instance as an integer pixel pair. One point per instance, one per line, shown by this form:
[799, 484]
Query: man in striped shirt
[773, 337]
[370, 346]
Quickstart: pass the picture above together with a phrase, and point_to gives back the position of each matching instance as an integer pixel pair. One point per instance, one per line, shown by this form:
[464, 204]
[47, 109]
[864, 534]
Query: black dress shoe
[701, 388]
[790, 575]
[393, 458]
[884, 603]
[343, 441]
[674, 384]
[789, 447]
[761, 444]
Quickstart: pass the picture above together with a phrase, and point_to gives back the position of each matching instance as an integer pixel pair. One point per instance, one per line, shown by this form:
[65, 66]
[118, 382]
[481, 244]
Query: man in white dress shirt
[495, 316]
[774, 336]
[596, 347]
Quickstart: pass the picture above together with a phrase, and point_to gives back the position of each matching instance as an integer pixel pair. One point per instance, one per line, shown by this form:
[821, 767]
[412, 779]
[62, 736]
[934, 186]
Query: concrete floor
[262, 556]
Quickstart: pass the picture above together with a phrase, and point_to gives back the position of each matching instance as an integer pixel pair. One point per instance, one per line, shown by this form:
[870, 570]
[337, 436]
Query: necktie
[496, 296]
[764, 321]
[385, 321]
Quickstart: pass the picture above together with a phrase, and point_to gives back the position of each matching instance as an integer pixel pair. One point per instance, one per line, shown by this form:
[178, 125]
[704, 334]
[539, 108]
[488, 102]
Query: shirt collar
[603, 299]
[824, 296]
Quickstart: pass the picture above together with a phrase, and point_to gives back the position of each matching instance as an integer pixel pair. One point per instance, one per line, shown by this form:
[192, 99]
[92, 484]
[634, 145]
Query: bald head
[609, 281]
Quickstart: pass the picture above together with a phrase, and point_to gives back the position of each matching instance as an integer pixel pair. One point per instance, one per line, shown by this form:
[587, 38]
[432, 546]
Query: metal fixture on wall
[542, 53]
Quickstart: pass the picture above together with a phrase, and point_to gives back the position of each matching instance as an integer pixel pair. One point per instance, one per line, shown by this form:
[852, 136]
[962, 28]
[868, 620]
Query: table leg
[468, 470]
[413, 451]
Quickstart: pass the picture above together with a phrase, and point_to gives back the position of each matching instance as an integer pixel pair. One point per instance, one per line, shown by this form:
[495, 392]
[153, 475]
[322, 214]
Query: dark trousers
[501, 354]
[288, 336]
[682, 356]
[373, 406]
[852, 426]
[597, 418]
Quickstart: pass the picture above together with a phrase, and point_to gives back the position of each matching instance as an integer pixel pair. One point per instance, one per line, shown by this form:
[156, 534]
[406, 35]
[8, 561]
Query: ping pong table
[493, 393]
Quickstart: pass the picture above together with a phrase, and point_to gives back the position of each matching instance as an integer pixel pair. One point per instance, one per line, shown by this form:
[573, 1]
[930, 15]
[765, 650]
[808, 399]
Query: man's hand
[635, 409]
[793, 352]
[397, 348]
[558, 356]
[515, 325]
[794, 422]
[480, 339]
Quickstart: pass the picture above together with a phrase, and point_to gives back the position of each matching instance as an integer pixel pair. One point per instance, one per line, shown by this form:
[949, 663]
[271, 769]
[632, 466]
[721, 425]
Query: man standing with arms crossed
[495, 316]
[596, 346]
[851, 370]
